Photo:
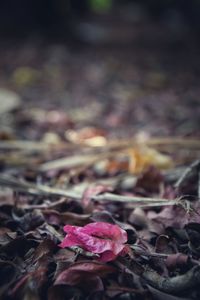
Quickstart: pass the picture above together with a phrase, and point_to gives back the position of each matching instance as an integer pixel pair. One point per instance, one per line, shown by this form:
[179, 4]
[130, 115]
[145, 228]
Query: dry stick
[33, 188]
[37, 189]
[34, 145]
[195, 166]
[27, 145]
[169, 144]
[68, 162]
[177, 142]
[19, 160]
[112, 148]
[174, 284]
[123, 199]
[54, 204]
[159, 141]
[46, 190]
[139, 203]
[24, 145]
[85, 161]
[163, 203]
[171, 285]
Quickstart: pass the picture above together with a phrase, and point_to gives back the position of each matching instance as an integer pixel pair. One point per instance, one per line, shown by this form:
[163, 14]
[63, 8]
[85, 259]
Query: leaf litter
[135, 236]
[125, 210]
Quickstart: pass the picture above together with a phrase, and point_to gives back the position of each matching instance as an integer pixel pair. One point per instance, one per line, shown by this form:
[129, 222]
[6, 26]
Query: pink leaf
[106, 240]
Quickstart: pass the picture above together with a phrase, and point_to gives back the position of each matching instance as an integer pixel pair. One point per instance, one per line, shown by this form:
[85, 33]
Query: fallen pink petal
[106, 240]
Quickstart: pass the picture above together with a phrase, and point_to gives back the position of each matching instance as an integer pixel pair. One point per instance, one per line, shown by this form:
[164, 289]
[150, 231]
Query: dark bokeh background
[56, 15]
[128, 66]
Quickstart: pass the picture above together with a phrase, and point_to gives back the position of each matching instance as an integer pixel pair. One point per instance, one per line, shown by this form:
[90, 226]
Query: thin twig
[175, 141]
[174, 284]
[171, 285]
[84, 160]
[194, 167]
[68, 162]
[24, 145]
[46, 190]
[172, 141]
[130, 199]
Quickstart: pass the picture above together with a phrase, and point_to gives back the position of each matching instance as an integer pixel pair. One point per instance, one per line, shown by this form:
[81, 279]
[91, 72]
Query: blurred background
[52, 16]
[127, 66]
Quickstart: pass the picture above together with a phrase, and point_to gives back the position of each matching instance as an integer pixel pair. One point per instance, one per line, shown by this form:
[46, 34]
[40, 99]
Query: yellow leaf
[141, 158]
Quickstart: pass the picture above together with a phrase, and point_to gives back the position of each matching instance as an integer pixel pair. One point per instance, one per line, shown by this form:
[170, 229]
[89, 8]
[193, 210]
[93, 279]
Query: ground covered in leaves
[103, 140]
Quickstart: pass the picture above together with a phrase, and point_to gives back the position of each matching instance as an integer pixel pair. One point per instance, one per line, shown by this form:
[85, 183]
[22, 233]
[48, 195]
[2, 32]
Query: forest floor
[105, 134]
